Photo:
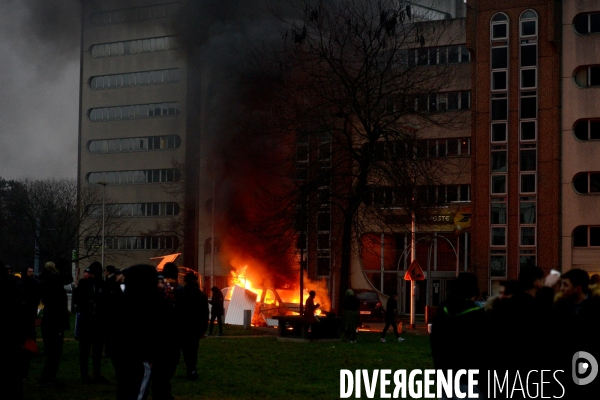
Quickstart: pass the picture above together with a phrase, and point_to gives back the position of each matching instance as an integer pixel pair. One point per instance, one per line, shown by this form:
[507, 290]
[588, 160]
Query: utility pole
[103, 183]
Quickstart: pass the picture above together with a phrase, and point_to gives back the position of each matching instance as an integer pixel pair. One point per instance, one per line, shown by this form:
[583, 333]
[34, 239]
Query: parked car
[370, 306]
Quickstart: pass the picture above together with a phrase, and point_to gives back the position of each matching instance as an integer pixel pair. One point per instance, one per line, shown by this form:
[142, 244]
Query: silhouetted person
[309, 312]
[112, 296]
[192, 312]
[456, 342]
[165, 363]
[90, 324]
[217, 310]
[137, 341]
[390, 318]
[31, 291]
[11, 338]
[55, 321]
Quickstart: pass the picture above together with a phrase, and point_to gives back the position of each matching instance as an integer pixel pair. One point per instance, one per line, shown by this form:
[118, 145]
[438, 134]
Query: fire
[288, 298]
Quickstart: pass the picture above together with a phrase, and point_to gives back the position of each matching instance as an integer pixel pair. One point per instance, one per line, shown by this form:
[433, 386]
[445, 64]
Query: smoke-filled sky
[39, 78]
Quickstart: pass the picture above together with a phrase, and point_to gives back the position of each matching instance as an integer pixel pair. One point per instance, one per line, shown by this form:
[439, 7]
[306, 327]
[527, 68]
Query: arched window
[499, 26]
[528, 25]
[587, 76]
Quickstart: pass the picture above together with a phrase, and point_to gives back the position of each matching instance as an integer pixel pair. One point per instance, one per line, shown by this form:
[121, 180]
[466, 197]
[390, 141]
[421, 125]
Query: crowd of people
[142, 319]
[535, 324]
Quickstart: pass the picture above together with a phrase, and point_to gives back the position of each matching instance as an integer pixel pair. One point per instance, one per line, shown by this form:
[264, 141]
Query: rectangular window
[498, 214]
[528, 130]
[499, 132]
[499, 162]
[594, 76]
[499, 57]
[528, 107]
[528, 78]
[527, 183]
[451, 193]
[465, 193]
[465, 102]
[594, 236]
[498, 265]
[453, 54]
[499, 31]
[527, 236]
[527, 213]
[528, 55]
[499, 109]
[528, 160]
[528, 28]
[499, 80]
[498, 236]
[498, 184]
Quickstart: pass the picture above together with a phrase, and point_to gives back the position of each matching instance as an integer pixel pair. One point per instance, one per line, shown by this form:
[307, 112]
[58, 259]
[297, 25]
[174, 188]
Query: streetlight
[103, 183]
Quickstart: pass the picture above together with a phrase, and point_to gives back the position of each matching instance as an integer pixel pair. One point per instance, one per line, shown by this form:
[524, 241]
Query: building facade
[580, 176]
[137, 132]
[516, 137]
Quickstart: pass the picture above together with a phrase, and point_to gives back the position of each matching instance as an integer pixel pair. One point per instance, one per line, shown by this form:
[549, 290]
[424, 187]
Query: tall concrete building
[580, 127]
[138, 135]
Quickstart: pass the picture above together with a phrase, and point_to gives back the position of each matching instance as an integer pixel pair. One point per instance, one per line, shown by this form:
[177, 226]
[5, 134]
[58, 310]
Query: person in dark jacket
[90, 326]
[55, 321]
[350, 307]
[217, 310]
[112, 296]
[192, 312]
[390, 318]
[11, 338]
[31, 292]
[456, 342]
[165, 363]
[136, 342]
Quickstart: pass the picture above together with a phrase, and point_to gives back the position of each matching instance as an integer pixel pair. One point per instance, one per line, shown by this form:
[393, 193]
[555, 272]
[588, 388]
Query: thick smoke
[226, 39]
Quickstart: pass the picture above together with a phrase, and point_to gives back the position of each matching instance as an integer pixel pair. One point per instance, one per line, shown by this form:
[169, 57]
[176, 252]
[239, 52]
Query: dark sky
[39, 77]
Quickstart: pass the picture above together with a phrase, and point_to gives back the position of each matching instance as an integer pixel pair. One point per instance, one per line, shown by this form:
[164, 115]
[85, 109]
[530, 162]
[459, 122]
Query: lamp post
[103, 183]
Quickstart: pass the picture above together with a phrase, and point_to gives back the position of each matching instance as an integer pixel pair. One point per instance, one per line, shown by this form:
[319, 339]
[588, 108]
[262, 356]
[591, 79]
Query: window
[528, 130]
[587, 129]
[448, 101]
[528, 79]
[499, 80]
[135, 242]
[527, 213]
[498, 184]
[499, 109]
[498, 265]
[132, 79]
[126, 145]
[134, 112]
[587, 183]
[499, 132]
[587, 76]
[587, 23]
[132, 47]
[499, 26]
[586, 236]
[527, 183]
[498, 236]
[499, 57]
[134, 177]
[498, 214]
[528, 23]
[527, 236]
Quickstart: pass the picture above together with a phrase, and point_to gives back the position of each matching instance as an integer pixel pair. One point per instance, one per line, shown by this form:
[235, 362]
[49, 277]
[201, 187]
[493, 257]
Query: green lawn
[254, 367]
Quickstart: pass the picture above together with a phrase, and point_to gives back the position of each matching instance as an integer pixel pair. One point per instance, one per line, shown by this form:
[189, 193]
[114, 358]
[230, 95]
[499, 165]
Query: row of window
[144, 78]
[499, 130]
[136, 14]
[137, 46]
[136, 111]
[135, 209]
[425, 148]
[134, 177]
[440, 102]
[526, 236]
[135, 242]
[127, 145]
[527, 184]
[438, 194]
[438, 55]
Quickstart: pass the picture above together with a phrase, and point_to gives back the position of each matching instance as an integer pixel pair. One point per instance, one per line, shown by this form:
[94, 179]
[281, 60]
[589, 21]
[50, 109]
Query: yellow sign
[462, 220]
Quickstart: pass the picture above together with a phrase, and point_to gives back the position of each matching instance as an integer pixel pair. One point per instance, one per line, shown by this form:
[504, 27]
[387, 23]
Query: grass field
[252, 367]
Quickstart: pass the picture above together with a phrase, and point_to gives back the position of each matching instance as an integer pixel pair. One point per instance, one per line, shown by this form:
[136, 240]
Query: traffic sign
[414, 272]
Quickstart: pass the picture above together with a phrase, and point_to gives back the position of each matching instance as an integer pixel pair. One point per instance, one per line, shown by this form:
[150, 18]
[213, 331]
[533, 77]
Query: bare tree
[40, 220]
[354, 95]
